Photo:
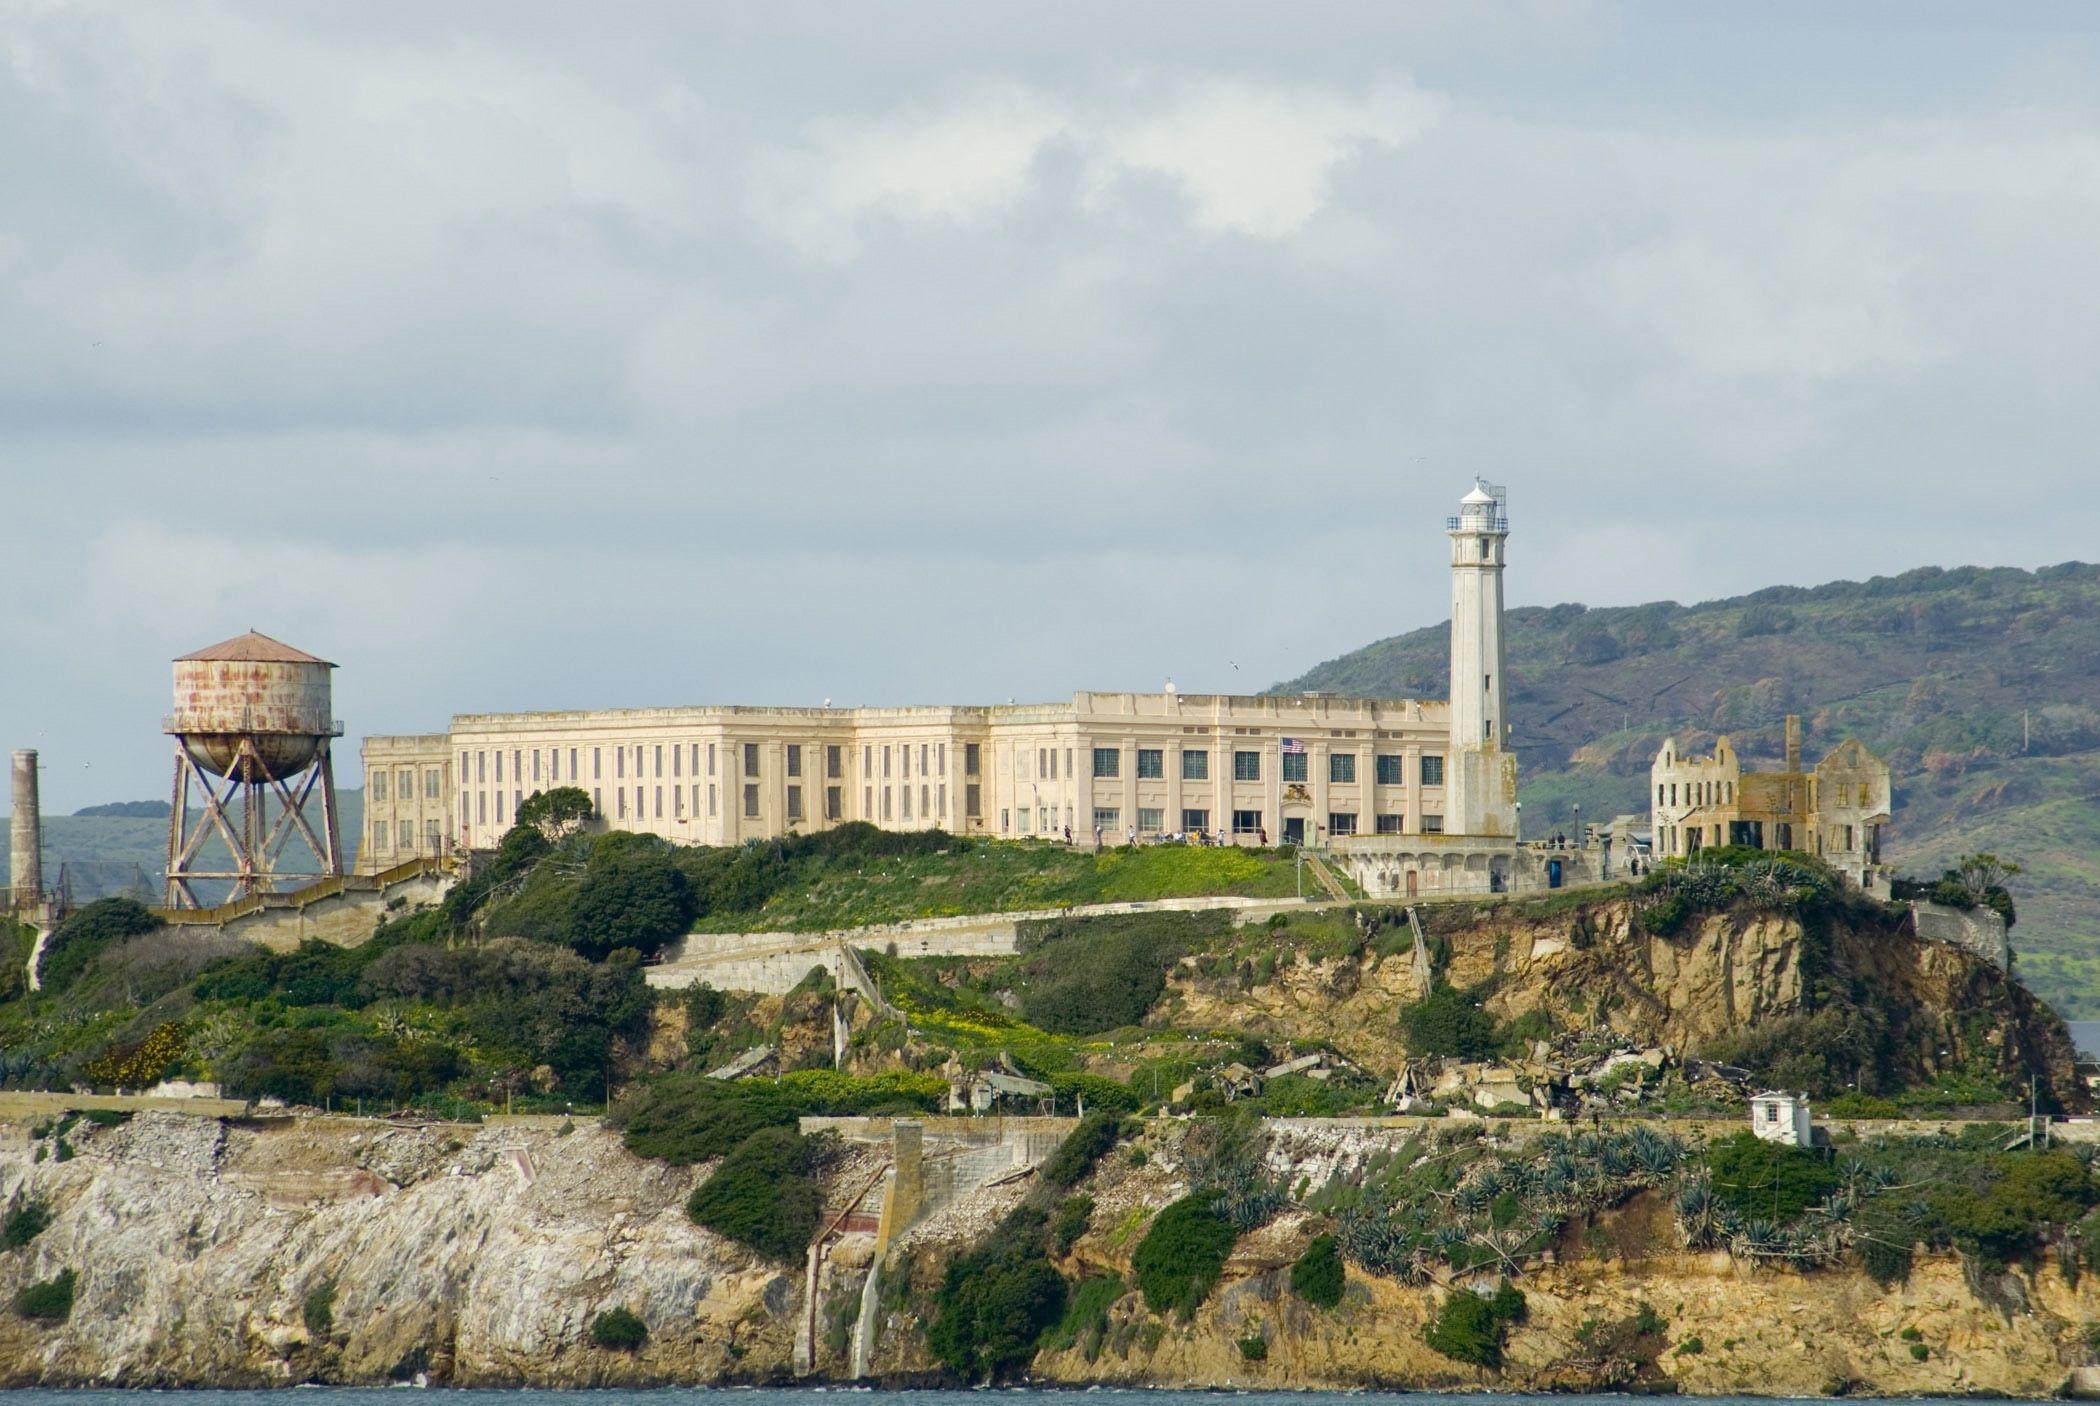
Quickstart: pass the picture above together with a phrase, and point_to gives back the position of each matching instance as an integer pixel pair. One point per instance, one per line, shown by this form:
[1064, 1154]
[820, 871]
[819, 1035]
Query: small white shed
[1782, 1118]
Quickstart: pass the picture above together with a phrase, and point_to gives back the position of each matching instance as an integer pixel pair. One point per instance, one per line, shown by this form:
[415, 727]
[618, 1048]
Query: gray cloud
[518, 355]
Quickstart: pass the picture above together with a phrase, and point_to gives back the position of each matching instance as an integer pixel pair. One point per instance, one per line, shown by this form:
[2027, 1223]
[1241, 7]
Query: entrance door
[1553, 873]
[1412, 875]
[1294, 829]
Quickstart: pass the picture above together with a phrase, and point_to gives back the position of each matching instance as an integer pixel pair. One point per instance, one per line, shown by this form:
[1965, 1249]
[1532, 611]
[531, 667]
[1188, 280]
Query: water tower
[252, 720]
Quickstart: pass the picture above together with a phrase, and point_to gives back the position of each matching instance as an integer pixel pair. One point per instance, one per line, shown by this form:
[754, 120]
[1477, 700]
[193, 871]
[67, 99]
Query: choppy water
[767, 1396]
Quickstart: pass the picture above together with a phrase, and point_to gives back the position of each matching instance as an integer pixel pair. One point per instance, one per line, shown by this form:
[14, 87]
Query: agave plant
[1656, 1154]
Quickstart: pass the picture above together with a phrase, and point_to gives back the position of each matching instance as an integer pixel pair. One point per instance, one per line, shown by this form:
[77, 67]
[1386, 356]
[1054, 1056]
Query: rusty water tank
[255, 688]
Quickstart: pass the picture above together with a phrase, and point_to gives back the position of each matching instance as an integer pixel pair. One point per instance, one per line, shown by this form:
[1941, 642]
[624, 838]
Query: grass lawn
[998, 876]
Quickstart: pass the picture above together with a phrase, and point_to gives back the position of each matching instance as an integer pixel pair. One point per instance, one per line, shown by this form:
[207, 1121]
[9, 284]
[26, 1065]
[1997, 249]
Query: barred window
[1389, 824]
[1432, 824]
[1389, 771]
[1151, 764]
[970, 758]
[794, 802]
[379, 786]
[794, 759]
[834, 802]
[1194, 821]
[1432, 771]
[1107, 817]
[1341, 768]
[750, 759]
[1341, 822]
[1108, 763]
[1294, 766]
[1149, 820]
[1195, 766]
[751, 802]
[1246, 766]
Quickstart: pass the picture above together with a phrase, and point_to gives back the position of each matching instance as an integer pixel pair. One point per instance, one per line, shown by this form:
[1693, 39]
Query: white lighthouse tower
[1481, 787]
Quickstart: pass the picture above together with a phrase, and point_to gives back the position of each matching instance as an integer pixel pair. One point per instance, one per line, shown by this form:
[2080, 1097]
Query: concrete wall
[338, 911]
[1978, 930]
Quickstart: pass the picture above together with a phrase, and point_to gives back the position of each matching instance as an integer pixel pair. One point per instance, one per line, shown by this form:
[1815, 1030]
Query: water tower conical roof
[254, 648]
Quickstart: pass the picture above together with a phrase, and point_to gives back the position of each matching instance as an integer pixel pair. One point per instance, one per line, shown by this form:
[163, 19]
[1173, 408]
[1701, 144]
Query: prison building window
[971, 758]
[517, 764]
[924, 792]
[973, 801]
[481, 767]
[405, 785]
[433, 834]
[1246, 766]
[1390, 772]
[941, 797]
[888, 796]
[794, 802]
[1389, 824]
[1195, 821]
[407, 831]
[1195, 766]
[678, 802]
[710, 759]
[1246, 822]
[677, 761]
[1108, 763]
[1151, 763]
[1432, 824]
[1294, 765]
[1432, 771]
[481, 808]
[834, 802]
[794, 759]
[750, 759]
[659, 803]
[378, 785]
[941, 755]
[751, 803]
[1107, 817]
[620, 763]
[499, 807]
[834, 764]
[499, 764]
[1149, 820]
[535, 764]
[379, 833]
[710, 801]
[905, 801]
[886, 763]
[1341, 822]
[923, 750]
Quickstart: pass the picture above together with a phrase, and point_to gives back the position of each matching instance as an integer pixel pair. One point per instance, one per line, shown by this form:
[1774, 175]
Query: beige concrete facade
[1835, 811]
[1111, 768]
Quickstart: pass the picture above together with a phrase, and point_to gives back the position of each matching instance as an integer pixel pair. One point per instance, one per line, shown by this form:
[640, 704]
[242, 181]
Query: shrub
[1182, 1255]
[1318, 1277]
[26, 1219]
[996, 1301]
[630, 897]
[142, 1063]
[1919, 1352]
[1070, 1222]
[1767, 1180]
[1085, 1321]
[1099, 1094]
[74, 942]
[1091, 976]
[1469, 1328]
[1691, 1346]
[687, 1117]
[1448, 1022]
[763, 1196]
[48, 1302]
[318, 1312]
[1254, 1348]
[619, 1330]
[1082, 1148]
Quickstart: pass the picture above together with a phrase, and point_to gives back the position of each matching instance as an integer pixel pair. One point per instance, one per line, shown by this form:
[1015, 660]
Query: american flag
[1292, 744]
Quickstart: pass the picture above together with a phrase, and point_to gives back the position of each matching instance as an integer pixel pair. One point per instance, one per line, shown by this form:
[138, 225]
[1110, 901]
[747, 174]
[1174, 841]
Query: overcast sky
[540, 356]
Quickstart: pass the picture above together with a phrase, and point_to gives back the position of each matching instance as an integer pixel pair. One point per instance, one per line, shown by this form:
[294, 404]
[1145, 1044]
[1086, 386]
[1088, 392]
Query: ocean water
[773, 1396]
[2086, 1035]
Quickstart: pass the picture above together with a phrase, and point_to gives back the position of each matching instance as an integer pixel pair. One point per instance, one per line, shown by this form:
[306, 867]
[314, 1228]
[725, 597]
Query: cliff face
[1720, 974]
[480, 1258]
[477, 1257]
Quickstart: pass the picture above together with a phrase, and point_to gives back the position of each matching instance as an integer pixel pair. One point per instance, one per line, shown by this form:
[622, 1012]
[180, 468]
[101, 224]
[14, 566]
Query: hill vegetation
[1980, 686]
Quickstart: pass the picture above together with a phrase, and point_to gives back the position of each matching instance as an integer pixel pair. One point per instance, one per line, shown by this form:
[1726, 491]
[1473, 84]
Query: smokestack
[1793, 743]
[25, 852]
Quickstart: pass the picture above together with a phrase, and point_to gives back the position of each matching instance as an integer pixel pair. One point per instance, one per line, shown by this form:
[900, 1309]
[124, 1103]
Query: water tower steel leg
[331, 829]
[174, 891]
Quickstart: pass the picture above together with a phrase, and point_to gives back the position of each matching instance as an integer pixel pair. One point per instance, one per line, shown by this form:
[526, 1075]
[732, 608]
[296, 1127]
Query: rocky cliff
[480, 1257]
[1921, 1007]
[474, 1256]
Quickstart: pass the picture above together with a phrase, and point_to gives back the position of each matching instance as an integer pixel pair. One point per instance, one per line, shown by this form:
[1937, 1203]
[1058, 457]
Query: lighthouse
[1481, 785]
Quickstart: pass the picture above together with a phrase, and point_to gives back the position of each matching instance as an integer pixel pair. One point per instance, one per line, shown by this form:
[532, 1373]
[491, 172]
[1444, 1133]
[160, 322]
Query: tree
[1183, 1254]
[561, 811]
[764, 1195]
[1980, 873]
[630, 898]
[1318, 1277]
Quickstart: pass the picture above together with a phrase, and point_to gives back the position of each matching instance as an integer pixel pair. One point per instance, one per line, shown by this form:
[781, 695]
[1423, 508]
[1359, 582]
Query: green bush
[1254, 1348]
[318, 1312]
[1766, 1180]
[1318, 1276]
[1099, 1094]
[1070, 1222]
[687, 1117]
[1089, 976]
[619, 1330]
[1085, 1321]
[26, 1219]
[1469, 1328]
[763, 1196]
[997, 1301]
[74, 943]
[48, 1302]
[630, 897]
[1085, 1145]
[1691, 1346]
[1182, 1255]
[1449, 1022]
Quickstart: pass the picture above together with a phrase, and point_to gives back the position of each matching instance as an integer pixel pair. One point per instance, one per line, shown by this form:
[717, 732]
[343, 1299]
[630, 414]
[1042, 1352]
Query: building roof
[254, 648]
[1478, 496]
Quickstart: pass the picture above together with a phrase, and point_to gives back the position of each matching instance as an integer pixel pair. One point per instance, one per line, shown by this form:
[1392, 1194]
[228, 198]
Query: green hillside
[1980, 686]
